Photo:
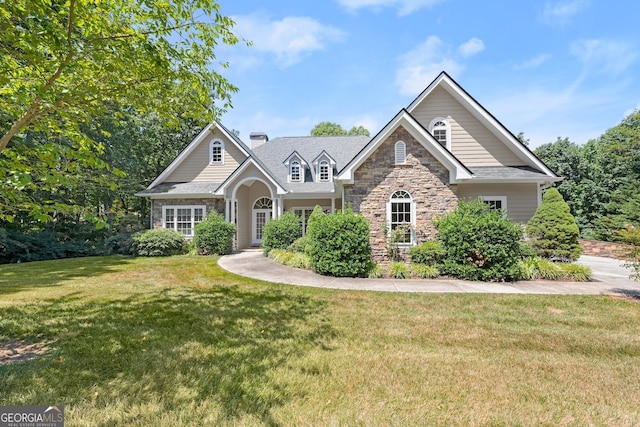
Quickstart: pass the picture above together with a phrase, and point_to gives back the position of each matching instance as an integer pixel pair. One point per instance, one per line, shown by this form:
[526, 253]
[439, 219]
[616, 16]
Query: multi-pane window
[401, 153]
[216, 152]
[182, 218]
[295, 171]
[304, 214]
[439, 132]
[401, 217]
[496, 202]
[325, 174]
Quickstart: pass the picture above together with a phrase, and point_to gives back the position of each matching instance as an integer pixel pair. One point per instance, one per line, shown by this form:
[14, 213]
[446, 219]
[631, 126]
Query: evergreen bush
[280, 233]
[158, 242]
[479, 243]
[214, 235]
[553, 231]
[430, 252]
[338, 244]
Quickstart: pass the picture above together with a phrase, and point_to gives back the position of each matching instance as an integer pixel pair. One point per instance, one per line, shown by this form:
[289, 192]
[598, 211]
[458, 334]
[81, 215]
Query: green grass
[177, 341]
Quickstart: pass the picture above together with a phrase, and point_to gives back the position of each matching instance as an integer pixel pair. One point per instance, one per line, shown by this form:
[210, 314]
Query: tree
[334, 129]
[552, 230]
[64, 64]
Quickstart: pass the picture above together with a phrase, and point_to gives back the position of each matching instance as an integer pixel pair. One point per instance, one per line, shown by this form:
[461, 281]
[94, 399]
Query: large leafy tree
[335, 129]
[65, 64]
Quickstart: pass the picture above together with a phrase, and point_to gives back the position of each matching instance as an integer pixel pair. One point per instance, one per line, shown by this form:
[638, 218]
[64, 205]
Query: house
[441, 148]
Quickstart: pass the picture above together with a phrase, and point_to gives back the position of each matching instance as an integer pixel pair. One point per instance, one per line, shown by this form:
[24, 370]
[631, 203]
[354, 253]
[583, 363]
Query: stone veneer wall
[603, 249]
[156, 211]
[423, 176]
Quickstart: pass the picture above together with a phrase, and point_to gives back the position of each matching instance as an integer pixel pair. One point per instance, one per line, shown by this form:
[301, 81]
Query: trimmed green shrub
[158, 242]
[425, 271]
[16, 246]
[299, 245]
[399, 270]
[214, 235]
[553, 231]
[479, 243]
[280, 233]
[430, 252]
[338, 244]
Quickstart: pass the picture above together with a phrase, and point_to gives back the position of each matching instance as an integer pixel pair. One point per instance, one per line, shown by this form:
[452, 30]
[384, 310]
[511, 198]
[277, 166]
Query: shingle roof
[274, 152]
[181, 188]
[507, 173]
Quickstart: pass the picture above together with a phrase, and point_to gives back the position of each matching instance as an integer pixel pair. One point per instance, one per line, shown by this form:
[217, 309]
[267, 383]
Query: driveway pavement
[609, 274]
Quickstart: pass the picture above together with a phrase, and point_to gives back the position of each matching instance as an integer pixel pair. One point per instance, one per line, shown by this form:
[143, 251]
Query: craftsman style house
[442, 148]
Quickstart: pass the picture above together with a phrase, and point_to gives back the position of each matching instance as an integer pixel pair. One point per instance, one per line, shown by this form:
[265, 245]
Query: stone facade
[156, 208]
[604, 249]
[422, 176]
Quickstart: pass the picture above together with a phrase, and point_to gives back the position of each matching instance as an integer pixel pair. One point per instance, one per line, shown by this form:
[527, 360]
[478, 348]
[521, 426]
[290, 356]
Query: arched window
[401, 153]
[325, 171]
[294, 171]
[441, 131]
[263, 203]
[401, 217]
[216, 152]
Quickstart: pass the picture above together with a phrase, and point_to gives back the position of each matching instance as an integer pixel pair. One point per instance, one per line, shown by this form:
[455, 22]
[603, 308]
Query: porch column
[233, 211]
[227, 210]
[333, 204]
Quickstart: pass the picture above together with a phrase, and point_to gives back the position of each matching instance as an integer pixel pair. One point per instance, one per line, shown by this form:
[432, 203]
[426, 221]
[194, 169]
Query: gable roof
[457, 171]
[252, 160]
[486, 118]
[192, 146]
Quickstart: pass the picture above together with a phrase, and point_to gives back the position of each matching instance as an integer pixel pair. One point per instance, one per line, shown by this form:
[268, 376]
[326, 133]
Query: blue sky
[559, 68]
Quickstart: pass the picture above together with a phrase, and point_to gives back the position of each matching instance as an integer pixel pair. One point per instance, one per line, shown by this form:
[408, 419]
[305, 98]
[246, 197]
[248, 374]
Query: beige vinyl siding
[522, 199]
[471, 142]
[196, 166]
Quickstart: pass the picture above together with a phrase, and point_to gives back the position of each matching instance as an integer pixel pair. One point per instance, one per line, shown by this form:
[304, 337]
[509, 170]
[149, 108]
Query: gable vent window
[401, 153]
[295, 172]
[441, 131]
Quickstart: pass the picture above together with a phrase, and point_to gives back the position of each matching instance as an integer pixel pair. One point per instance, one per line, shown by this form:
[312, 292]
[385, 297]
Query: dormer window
[325, 171]
[216, 152]
[294, 171]
[323, 166]
[441, 131]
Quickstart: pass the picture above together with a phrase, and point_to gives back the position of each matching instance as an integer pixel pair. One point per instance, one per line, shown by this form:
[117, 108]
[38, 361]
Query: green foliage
[430, 252]
[214, 235]
[425, 271]
[299, 245]
[158, 242]
[280, 233]
[631, 236]
[399, 270]
[376, 271]
[552, 230]
[536, 268]
[480, 244]
[290, 259]
[16, 246]
[121, 242]
[338, 244]
[334, 129]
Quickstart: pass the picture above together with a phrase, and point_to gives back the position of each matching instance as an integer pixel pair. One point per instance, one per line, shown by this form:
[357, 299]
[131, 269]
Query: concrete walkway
[610, 278]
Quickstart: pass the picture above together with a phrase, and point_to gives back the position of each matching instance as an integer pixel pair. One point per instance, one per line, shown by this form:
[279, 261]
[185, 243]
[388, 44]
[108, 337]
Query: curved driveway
[609, 274]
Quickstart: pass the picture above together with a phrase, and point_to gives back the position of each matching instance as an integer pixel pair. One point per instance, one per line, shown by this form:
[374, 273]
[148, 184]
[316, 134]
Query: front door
[262, 212]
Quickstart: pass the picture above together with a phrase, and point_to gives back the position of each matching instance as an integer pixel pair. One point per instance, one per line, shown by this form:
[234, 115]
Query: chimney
[257, 139]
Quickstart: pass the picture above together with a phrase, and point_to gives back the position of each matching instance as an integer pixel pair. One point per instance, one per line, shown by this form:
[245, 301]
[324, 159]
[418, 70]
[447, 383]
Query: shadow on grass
[18, 277]
[629, 293]
[224, 347]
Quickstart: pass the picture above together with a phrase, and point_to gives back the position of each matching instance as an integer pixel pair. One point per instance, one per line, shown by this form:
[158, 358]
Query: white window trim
[502, 199]
[403, 159]
[211, 144]
[448, 127]
[300, 171]
[329, 169]
[413, 218]
[175, 222]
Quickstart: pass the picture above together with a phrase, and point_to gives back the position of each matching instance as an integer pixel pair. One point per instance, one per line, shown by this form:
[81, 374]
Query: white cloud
[560, 13]
[612, 57]
[405, 7]
[290, 38]
[365, 121]
[420, 66]
[534, 62]
[471, 47]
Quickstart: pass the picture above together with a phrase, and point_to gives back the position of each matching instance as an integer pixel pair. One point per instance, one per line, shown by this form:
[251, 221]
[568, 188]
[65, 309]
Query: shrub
[430, 252]
[553, 231]
[16, 246]
[158, 242]
[281, 232]
[281, 256]
[631, 236]
[121, 242]
[299, 245]
[338, 244]
[425, 271]
[299, 260]
[479, 243]
[376, 271]
[541, 268]
[399, 270]
[214, 235]
[576, 272]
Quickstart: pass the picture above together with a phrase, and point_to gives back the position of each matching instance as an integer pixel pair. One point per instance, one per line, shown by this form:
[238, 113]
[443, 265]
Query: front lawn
[177, 341]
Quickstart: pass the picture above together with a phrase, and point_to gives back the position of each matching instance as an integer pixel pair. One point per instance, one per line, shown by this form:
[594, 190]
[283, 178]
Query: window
[182, 218]
[295, 171]
[496, 202]
[400, 211]
[216, 152]
[441, 131]
[401, 153]
[325, 171]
